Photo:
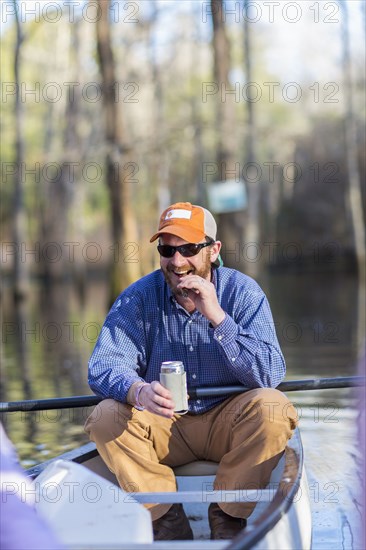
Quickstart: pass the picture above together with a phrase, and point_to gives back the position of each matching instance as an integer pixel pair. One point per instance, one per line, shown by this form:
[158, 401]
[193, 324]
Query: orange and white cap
[187, 221]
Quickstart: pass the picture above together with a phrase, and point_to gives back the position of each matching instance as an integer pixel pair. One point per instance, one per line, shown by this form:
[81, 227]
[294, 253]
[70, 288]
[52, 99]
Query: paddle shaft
[288, 385]
[91, 400]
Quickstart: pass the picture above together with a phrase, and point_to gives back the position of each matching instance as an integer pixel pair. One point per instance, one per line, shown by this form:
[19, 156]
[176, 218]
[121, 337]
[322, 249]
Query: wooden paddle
[91, 400]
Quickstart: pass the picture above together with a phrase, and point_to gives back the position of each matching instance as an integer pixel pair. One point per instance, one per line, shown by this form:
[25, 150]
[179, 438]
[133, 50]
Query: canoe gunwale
[282, 501]
[78, 455]
[280, 504]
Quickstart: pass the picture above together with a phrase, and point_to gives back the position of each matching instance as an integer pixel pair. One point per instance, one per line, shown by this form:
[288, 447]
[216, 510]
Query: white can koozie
[174, 378]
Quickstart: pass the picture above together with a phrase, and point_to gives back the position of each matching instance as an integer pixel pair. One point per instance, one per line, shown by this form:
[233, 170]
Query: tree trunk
[354, 201]
[225, 115]
[354, 180]
[20, 278]
[159, 159]
[119, 163]
[60, 188]
[252, 230]
[230, 225]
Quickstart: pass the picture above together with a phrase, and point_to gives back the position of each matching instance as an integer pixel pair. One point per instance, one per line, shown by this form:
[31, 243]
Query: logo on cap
[178, 213]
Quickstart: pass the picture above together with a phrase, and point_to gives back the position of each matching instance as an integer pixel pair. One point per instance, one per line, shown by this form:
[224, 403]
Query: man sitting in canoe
[217, 321]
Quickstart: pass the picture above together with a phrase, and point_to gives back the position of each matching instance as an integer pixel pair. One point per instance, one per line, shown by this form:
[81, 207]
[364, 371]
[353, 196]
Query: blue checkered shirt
[146, 326]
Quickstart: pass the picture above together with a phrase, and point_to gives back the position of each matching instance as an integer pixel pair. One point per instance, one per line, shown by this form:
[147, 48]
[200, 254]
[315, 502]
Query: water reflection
[317, 319]
[47, 343]
[18, 325]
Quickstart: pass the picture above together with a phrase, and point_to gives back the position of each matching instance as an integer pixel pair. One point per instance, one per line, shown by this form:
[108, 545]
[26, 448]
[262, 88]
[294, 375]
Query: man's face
[177, 266]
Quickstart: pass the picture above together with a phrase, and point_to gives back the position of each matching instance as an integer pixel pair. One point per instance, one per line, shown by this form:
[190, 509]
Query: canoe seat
[197, 468]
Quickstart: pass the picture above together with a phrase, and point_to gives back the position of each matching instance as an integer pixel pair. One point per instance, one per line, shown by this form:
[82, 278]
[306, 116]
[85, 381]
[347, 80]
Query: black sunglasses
[186, 250]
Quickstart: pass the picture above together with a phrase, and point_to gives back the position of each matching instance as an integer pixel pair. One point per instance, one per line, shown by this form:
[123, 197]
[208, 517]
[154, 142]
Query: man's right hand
[157, 399]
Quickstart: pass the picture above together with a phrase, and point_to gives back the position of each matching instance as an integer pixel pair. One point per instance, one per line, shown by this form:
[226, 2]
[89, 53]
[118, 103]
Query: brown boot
[222, 525]
[173, 525]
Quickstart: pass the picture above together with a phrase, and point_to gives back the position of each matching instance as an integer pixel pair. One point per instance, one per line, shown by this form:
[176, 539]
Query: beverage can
[174, 367]
[174, 378]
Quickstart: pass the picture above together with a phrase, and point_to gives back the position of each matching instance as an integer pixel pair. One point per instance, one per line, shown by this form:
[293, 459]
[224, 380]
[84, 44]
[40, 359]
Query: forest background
[112, 110]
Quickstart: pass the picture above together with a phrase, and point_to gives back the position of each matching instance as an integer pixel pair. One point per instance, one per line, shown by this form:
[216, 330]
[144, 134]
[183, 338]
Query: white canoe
[80, 498]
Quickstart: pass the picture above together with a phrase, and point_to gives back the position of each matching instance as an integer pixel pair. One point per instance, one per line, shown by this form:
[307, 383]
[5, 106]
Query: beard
[202, 271]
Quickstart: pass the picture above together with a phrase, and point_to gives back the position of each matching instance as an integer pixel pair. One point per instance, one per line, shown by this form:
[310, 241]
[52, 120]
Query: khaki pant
[246, 434]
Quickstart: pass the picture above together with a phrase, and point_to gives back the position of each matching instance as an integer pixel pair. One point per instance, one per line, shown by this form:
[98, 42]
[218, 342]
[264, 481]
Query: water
[334, 468]
[320, 324]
